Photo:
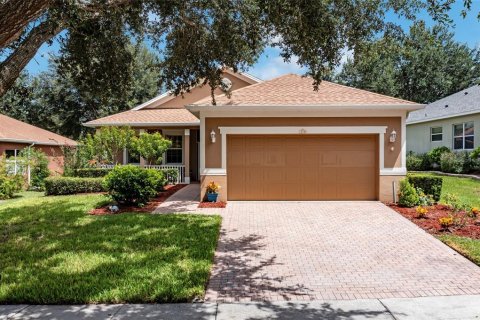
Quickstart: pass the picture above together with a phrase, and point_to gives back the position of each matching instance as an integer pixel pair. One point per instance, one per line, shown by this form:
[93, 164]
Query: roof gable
[295, 90]
[12, 130]
[461, 103]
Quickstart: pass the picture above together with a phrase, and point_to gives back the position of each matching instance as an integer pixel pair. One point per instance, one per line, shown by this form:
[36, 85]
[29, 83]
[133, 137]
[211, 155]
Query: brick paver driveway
[331, 250]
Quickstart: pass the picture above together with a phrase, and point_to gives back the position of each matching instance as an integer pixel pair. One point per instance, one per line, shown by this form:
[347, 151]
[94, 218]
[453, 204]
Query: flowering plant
[421, 211]
[213, 187]
[475, 212]
[445, 222]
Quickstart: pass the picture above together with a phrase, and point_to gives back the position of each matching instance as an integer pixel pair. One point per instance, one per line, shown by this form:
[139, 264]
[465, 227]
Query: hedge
[91, 172]
[72, 185]
[429, 185]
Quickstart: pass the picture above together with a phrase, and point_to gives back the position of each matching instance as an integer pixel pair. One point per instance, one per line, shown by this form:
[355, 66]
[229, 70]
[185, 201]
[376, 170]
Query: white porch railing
[179, 167]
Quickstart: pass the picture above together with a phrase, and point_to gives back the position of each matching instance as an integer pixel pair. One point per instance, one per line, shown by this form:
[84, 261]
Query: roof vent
[466, 92]
[446, 106]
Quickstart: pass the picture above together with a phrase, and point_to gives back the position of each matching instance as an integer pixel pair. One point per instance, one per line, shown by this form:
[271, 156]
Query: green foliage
[52, 252]
[454, 202]
[38, 162]
[476, 154]
[414, 162]
[171, 175]
[435, 154]
[107, 145]
[150, 146]
[9, 184]
[133, 185]
[422, 66]
[452, 162]
[91, 172]
[429, 185]
[61, 100]
[73, 185]
[408, 195]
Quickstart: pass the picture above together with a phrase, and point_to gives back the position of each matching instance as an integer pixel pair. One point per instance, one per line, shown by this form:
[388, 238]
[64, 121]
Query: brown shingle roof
[145, 117]
[293, 90]
[12, 130]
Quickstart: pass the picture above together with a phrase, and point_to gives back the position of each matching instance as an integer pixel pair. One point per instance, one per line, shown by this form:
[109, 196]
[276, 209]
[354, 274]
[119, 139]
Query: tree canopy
[423, 65]
[195, 38]
[60, 101]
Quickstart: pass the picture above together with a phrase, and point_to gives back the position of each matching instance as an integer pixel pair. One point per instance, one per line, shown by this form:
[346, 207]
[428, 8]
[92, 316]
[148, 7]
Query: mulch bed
[219, 204]
[149, 207]
[466, 227]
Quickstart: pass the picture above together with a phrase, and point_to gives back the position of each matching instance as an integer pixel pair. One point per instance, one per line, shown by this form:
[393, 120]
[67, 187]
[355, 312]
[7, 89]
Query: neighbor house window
[175, 152]
[436, 134]
[11, 153]
[463, 136]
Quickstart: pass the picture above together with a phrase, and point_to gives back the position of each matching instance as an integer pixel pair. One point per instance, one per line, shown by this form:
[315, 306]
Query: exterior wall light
[393, 136]
[213, 137]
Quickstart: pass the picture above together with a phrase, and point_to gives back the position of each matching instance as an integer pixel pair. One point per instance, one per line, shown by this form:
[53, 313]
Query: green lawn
[467, 190]
[21, 196]
[468, 247]
[51, 251]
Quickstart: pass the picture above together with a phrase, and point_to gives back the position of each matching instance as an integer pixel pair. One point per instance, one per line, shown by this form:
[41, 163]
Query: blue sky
[271, 65]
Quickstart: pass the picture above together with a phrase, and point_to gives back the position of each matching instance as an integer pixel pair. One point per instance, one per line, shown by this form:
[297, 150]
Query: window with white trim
[463, 136]
[11, 153]
[436, 134]
[174, 154]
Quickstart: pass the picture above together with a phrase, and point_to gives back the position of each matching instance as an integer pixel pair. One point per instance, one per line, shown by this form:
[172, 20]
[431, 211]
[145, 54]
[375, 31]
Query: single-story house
[16, 135]
[281, 140]
[453, 122]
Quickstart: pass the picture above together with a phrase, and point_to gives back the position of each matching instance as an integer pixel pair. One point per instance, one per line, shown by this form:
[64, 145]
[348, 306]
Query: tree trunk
[10, 68]
[16, 15]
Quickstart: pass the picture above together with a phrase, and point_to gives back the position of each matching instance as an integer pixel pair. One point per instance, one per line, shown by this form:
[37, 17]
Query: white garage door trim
[380, 130]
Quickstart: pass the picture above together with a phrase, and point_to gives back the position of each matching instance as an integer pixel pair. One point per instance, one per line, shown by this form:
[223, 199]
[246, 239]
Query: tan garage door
[302, 167]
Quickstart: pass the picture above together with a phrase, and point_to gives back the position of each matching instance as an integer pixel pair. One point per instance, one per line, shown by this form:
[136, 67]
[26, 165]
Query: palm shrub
[133, 185]
[408, 195]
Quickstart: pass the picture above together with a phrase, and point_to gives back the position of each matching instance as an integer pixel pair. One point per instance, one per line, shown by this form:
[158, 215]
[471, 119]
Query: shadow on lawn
[52, 252]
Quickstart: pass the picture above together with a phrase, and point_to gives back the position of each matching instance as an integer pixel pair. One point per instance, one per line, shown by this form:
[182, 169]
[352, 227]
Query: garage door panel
[302, 167]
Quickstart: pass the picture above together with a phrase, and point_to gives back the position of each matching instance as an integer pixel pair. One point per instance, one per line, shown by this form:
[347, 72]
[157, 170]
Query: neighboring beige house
[453, 121]
[280, 139]
[16, 135]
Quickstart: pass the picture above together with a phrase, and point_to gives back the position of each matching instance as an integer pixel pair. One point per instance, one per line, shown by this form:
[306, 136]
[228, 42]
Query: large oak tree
[195, 37]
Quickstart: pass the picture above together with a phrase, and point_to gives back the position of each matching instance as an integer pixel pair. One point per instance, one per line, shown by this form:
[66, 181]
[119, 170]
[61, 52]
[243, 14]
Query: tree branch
[16, 15]
[10, 68]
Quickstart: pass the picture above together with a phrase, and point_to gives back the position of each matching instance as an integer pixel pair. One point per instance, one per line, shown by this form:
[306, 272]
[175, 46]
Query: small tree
[150, 146]
[106, 145]
[38, 162]
[408, 195]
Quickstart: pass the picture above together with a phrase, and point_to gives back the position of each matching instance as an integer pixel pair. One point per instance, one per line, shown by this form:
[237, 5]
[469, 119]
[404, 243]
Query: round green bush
[452, 162]
[133, 185]
[435, 154]
[408, 195]
[414, 162]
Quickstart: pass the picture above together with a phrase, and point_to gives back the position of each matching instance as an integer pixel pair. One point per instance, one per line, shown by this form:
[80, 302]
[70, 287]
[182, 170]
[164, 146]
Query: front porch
[182, 156]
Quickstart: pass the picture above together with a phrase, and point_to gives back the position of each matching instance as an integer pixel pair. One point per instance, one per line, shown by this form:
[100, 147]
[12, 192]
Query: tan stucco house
[280, 139]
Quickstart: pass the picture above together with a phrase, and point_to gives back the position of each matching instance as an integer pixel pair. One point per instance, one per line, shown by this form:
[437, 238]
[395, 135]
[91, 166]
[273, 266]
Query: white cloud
[271, 65]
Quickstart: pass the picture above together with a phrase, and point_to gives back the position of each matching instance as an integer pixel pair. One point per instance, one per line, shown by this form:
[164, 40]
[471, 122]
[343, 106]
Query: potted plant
[212, 191]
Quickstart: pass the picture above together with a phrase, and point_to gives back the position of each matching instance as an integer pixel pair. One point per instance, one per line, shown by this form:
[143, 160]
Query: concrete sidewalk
[439, 308]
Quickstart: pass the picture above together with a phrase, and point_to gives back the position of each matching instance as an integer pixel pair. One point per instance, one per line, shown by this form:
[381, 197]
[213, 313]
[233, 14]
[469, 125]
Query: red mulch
[149, 207]
[219, 204]
[467, 226]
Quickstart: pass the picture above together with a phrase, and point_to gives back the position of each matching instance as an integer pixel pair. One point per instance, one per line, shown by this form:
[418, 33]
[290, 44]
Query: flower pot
[212, 197]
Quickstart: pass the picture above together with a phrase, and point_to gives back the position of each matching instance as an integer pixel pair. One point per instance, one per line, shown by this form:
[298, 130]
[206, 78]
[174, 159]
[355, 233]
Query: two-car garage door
[302, 167]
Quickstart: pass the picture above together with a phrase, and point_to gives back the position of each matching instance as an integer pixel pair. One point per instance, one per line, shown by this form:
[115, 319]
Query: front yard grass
[467, 189]
[52, 252]
[466, 246]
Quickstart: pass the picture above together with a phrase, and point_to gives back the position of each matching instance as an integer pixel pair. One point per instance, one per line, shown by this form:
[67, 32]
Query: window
[175, 152]
[436, 134]
[11, 153]
[463, 136]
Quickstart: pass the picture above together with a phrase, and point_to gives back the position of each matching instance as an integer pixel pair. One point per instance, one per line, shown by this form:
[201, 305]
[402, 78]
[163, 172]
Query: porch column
[142, 160]
[186, 154]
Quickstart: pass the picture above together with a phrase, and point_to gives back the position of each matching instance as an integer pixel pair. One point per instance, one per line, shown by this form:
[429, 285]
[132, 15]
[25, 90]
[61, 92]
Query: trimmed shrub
[133, 185]
[73, 185]
[414, 162]
[435, 154]
[451, 162]
[430, 185]
[408, 194]
[90, 172]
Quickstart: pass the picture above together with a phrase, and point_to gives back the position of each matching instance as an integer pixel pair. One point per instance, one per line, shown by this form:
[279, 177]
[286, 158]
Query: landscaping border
[459, 175]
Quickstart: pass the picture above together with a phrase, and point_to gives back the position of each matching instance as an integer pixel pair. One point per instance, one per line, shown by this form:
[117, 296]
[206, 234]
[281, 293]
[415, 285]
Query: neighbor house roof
[295, 90]
[461, 103]
[147, 117]
[12, 130]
